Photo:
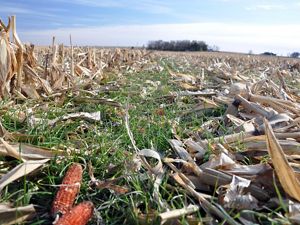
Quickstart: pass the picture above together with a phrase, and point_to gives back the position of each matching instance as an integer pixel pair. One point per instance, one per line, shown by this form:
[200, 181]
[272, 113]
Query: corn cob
[66, 195]
[79, 215]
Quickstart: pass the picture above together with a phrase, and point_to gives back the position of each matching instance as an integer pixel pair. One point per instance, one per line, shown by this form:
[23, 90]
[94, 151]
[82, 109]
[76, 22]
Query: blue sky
[233, 25]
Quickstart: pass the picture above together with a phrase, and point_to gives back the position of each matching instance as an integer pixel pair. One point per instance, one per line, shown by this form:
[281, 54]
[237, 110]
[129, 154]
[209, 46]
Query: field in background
[163, 137]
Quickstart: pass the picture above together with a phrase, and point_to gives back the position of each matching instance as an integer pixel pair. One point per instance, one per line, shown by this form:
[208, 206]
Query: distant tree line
[183, 45]
[269, 53]
[292, 55]
[295, 55]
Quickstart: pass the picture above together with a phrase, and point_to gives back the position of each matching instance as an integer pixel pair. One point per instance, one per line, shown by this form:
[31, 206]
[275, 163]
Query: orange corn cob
[79, 215]
[67, 192]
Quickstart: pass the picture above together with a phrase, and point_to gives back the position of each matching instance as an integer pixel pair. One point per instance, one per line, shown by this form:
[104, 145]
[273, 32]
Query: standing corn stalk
[19, 53]
[11, 58]
[5, 59]
[72, 57]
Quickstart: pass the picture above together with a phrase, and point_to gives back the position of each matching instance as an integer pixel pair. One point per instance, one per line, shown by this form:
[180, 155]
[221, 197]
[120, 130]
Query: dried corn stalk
[19, 53]
[5, 62]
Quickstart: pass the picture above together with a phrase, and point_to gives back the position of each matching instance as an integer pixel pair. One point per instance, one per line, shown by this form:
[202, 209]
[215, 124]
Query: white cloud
[105, 3]
[10, 9]
[229, 37]
[267, 7]
[14, 9]
[151, 6]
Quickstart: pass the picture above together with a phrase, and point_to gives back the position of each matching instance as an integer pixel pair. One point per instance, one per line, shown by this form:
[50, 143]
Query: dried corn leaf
[206, 205]
[92, 117]
[10, 216]
[219, 161]
[289, 147]
[27, 152]
[30, 91]
[103, 101]
[20, 171]
[106, 184]
[236, 197]
[157, 170]
[216, 178]
[183, 154]
[195, 148]
[294, 212]
[183, 77]
[110, 184]
[285, 173]
[204, 105]
[246, 170]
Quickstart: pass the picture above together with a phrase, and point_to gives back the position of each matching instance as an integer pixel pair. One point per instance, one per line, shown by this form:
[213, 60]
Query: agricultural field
[130, 136]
